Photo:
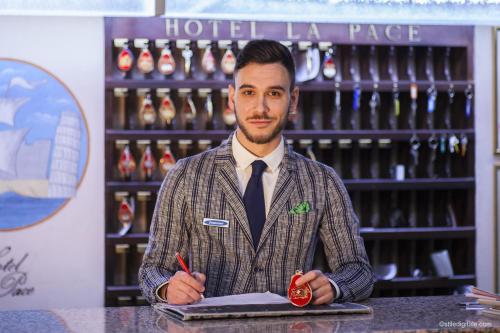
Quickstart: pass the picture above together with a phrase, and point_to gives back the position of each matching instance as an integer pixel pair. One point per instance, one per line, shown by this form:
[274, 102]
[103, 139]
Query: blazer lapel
[228, 181]
[284, 188]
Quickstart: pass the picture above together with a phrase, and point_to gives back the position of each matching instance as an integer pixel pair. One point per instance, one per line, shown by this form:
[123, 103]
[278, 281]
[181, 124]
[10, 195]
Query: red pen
[184, 266]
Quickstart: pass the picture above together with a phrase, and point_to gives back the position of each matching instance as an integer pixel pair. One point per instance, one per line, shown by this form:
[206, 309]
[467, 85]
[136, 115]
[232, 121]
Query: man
[250, 213]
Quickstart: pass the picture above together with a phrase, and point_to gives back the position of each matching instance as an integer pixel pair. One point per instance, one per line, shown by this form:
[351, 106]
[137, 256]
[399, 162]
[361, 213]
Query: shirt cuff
[158, 296]
[337, 290]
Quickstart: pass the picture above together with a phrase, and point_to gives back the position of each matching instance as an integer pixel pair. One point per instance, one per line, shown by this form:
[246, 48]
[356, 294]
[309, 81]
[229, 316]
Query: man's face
[261, 100]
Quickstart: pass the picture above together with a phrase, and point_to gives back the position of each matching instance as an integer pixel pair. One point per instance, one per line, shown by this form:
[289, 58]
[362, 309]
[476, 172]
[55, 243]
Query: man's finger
[200, 277]
[309, 276]
[185, 288]
[191, 281]
[324, 290]
[319, 282]
[179, 298]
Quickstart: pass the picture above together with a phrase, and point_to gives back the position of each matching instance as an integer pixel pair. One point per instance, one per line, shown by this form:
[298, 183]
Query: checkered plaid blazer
[206, 186]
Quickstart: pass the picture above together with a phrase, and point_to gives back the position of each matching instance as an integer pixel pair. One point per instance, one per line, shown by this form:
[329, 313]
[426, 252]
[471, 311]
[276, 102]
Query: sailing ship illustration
[44, 168]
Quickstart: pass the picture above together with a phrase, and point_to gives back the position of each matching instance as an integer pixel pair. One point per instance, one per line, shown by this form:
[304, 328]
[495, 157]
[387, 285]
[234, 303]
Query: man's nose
[261, 104]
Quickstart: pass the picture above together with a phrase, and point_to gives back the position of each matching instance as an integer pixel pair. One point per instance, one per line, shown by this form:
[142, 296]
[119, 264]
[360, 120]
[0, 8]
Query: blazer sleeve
[344, 247]
[168, 233]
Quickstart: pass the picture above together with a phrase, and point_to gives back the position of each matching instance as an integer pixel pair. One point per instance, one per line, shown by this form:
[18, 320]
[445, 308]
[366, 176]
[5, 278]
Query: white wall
[485, 159]
[66, 253]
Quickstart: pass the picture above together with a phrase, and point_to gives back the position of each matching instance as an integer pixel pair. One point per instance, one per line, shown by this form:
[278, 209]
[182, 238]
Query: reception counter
[423, 314]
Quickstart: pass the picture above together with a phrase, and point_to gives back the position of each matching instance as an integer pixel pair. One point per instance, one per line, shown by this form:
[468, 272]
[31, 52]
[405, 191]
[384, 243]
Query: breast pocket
[298, 229]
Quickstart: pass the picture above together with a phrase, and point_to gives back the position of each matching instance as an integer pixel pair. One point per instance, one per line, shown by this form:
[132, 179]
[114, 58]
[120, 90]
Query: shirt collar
[244, 158]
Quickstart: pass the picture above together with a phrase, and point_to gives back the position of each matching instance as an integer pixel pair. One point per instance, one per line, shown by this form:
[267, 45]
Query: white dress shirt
[244, 160]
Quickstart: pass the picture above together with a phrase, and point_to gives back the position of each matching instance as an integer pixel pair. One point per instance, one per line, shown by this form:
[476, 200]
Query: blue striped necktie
[254, 201]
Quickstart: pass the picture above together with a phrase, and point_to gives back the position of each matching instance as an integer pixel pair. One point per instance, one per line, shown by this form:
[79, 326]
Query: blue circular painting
[43, 144]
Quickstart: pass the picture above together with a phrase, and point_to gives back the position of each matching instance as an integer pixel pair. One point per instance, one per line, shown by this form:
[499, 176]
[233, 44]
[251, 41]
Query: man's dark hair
[265, 51]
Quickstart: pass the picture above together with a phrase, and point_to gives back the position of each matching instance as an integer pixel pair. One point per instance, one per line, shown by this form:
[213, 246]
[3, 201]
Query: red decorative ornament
[167, 161]
[126, 165]
[147, 111]
[329, 69]
[228, 62]
[208, 61]
[167, 110]
[145, 62]
[148, 163]
[125, 212]
[166, 62]
[125, 59]
[299, 296]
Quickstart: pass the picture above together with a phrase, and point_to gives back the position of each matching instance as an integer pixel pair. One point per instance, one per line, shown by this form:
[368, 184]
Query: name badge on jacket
[215, 223]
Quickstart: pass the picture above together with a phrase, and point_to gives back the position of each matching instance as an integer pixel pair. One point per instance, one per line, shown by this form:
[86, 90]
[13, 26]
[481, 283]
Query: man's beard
[262, 139]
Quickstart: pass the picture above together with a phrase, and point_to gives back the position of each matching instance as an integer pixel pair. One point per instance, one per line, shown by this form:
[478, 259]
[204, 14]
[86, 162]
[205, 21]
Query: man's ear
[294, 100]
[230, 100]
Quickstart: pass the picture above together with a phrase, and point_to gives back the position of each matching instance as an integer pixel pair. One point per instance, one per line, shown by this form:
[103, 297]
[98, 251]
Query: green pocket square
[301, 208]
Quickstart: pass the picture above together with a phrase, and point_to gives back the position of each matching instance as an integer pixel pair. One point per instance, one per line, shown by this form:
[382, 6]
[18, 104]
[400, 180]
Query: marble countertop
[423, 314]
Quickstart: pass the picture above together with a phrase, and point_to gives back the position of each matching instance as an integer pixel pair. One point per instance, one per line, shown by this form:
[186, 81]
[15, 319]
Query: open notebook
[253, 305]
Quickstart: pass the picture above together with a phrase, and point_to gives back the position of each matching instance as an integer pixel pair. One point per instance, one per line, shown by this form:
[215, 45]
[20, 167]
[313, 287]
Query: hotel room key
[433, 145]
[414, 154]
[375, 98]
[354, 70]
[451, 90]
[431, 92]
[187, 54]
[392, 70]
[336, 119]
[411, 70]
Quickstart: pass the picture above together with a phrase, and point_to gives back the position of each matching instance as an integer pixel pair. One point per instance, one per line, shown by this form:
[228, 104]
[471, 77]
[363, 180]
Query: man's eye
[247, 92]
[275, 93]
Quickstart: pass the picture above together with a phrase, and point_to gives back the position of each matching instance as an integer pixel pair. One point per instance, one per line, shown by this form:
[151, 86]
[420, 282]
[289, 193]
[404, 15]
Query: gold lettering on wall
[313, 31]
[413, 35]
[234, 27]
[289, 31]
[189, 25]
[253, 31]
[353, 30]
[215, 27]
[363, 33]
[393, 32]
[372, 32]
[172, 28]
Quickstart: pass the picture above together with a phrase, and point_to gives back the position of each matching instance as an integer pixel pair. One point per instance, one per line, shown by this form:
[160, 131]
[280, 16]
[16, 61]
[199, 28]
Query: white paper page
[242, 299]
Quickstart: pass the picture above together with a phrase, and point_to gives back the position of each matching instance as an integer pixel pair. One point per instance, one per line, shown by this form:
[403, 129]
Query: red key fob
[299, 296]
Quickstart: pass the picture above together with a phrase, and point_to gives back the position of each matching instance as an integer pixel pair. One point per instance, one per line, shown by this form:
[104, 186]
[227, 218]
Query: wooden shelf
[418, 233]
[410, 184]
[365, 184]
[132, 238]
[219, 135]
[132, 186]
[317, 85]
[426, 282]
[123, 291]
[366, 233]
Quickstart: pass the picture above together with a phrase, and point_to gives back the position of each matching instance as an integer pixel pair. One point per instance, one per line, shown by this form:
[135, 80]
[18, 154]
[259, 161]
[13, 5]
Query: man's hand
[323, 292]
[183, 288]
